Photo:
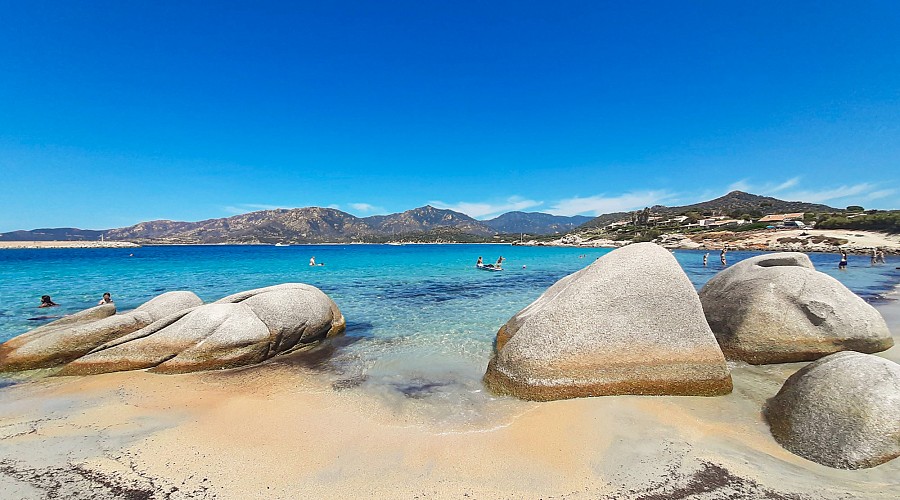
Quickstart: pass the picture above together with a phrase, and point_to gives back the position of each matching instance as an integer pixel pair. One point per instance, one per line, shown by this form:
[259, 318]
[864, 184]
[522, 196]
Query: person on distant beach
[46, 302]
[705, 258]
[842, 265]
[107, 299]
[480, 262]
[722, 256]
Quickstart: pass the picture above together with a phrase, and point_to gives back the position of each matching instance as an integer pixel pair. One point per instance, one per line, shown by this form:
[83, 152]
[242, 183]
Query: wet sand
[285, 431]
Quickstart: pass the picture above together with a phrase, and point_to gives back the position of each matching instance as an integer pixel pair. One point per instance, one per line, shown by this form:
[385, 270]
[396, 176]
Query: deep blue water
[419, 316]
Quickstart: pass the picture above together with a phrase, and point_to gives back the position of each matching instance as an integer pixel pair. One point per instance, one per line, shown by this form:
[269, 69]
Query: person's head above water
[46, 301]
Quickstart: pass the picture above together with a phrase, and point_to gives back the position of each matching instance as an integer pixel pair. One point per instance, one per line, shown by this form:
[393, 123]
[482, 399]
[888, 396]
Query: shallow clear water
[421, 318]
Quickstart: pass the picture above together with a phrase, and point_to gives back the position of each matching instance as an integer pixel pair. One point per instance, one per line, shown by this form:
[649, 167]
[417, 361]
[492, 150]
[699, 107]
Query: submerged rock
[778, 309]
[66, 339]
[842, 411]
[630, 323]
[237, 330]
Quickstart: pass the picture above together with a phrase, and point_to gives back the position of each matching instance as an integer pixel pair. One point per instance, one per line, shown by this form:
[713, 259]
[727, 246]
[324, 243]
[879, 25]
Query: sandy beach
[282, 430]
[6, 245]
[803, 240]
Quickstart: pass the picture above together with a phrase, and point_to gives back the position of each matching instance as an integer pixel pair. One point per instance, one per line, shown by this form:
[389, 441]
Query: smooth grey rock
[168, 303]
[630, 323]
[777, 308]
[293, 312]
[240, 329]
[71, 337]
[842, 411]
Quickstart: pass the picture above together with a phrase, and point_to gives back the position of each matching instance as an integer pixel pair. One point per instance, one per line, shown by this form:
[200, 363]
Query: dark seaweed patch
[419, 388]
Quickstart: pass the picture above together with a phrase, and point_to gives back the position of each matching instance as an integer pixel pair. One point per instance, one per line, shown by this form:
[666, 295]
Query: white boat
[282, 245]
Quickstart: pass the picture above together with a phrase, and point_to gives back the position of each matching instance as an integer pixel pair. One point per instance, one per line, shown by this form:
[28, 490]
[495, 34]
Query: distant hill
[328, 225]
[425, 219]
[299, 225]
[54, 234]
[534, 223]
[735, 202]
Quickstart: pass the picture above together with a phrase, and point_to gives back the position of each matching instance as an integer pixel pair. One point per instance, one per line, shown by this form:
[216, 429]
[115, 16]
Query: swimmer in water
[47, 302]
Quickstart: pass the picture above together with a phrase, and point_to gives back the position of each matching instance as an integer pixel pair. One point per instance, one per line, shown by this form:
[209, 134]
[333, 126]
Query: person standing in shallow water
[705, 258]
[842, 265]
[722, 256]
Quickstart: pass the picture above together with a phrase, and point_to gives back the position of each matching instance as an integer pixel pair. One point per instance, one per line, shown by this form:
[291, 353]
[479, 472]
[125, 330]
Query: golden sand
[281, 431]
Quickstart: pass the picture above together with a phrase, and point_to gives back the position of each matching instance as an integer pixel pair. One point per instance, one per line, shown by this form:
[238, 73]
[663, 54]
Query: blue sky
[112, 113]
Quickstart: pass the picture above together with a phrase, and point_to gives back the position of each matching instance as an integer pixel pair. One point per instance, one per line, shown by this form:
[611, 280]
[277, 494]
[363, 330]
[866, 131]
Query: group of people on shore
[46, 301]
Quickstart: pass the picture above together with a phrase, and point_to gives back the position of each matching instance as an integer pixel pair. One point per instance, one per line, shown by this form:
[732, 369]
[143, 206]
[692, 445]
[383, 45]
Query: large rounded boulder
[241, 329]
[777, 308]
[842, 411]
[630, 323]
[71, 337]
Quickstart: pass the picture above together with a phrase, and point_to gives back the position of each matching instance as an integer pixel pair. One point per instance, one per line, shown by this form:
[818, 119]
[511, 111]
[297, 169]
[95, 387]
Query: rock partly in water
[69, 338]
[842, 411]
[238, 330]
[630, 323]
[778, 309]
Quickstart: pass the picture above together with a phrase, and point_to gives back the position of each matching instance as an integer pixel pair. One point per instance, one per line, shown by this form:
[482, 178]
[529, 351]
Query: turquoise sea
[421, 318]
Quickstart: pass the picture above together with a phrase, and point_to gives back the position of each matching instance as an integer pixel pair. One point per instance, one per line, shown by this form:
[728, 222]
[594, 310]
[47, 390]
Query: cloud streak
[602, 204]
[823, 195]
[788, 190]
[366, 208]
[483, 209]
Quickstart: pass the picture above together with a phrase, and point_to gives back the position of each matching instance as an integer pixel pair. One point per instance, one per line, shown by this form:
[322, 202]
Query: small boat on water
[282, 245]
[489, 268]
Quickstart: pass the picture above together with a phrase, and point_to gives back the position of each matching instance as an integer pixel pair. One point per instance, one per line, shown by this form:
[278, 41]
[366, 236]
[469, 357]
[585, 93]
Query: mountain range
[328, 225]
[319, 225]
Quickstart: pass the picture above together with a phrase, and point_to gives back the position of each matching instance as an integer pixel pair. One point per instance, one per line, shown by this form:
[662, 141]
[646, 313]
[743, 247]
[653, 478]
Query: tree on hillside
[643, 217]
[855, 208]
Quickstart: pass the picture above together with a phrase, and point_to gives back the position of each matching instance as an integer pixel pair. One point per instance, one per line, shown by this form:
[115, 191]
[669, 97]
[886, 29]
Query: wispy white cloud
[741, 185]
[781, 187]
[768, 188]
[602, 204]
[244, 208]
[366, 208]
[482, 209]
[822, 195]
[881, 193]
